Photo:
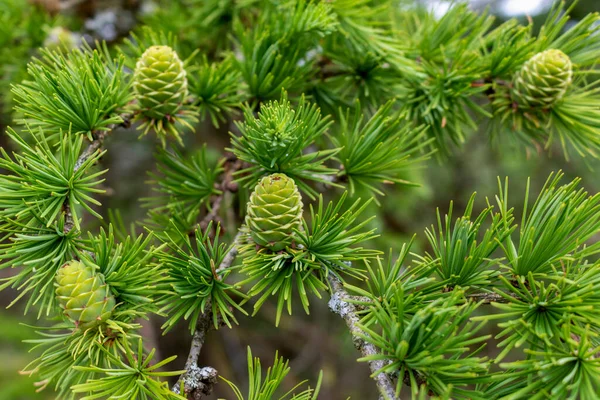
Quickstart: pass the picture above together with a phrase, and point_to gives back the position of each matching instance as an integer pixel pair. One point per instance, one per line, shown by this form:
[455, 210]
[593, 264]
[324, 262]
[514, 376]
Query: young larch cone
[274, 211]
[160, 82]
[83, 295]
[543, 79]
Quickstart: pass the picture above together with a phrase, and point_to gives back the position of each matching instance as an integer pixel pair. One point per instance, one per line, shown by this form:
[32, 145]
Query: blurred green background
[311, 342]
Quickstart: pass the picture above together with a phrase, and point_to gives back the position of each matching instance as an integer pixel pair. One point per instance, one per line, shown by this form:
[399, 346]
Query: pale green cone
[543, 80]
[274, 211]
[160, 82]
[83, 295]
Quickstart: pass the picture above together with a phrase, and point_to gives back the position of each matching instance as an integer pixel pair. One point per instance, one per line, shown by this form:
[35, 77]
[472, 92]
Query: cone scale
[274, 211]
[160, 82]
[543, 80]
[83, 295]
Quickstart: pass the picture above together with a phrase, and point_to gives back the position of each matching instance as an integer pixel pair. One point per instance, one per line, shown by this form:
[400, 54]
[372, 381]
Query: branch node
[197, 382]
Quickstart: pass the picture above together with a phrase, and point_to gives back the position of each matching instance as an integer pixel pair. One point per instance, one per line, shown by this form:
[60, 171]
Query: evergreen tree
[341, 96]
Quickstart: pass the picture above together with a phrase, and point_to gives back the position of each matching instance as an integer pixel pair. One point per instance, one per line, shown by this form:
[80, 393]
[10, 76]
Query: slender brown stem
[214, 212]
[94, 146]
[348, 311]
[226, 185]
[198, 382]
[488, 297]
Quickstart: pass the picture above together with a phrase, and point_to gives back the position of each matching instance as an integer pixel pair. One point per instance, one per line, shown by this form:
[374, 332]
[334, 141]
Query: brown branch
[198, 382]
[488, 297]
[213, 214]
[94, 146]
[344, 305]
[348, 312]
[227, 184]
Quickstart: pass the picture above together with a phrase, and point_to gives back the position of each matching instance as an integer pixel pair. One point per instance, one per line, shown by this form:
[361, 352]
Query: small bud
[160, 83]
[274, 211]
[83, 295]
[543, 79]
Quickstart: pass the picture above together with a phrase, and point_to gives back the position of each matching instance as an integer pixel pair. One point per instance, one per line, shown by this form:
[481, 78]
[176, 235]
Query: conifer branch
[197, 381]
[214, 212]
[488, 297]
[93, 147]
[348, 311]
[226, 185]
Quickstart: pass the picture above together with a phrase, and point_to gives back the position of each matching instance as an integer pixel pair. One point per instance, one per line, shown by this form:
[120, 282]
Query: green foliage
[432, 345]
[82, 91]
[133, 280]
[38, 252]
[216, 89]
[276, 274]
[558, 122]
[275, 51]
[378, 150]
[12, 333]
[44, 181]
[451, 63]
[197, 283]
[463, 258]
[275, 140]
[259, 389]
[566, 370]
[544, 309]
[332, 233]
[135, 378]
[510, 45]
[63, 350]
[424, 318]
[182, 185]
[449, 79]
[580, 42]
[351, 73]
[128, 266]
[561, 220]
[200, 24]
[384, 279]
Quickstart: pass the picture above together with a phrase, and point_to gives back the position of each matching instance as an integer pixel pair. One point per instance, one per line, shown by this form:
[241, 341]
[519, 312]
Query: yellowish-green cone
[160, 82]
[83, 295]
[274, 211]
[543, 79]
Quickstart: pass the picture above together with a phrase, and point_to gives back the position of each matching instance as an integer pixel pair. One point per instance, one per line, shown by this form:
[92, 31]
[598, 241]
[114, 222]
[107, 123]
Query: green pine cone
[83, 295]
[160, 82]
[543, 79]
[274, 211]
